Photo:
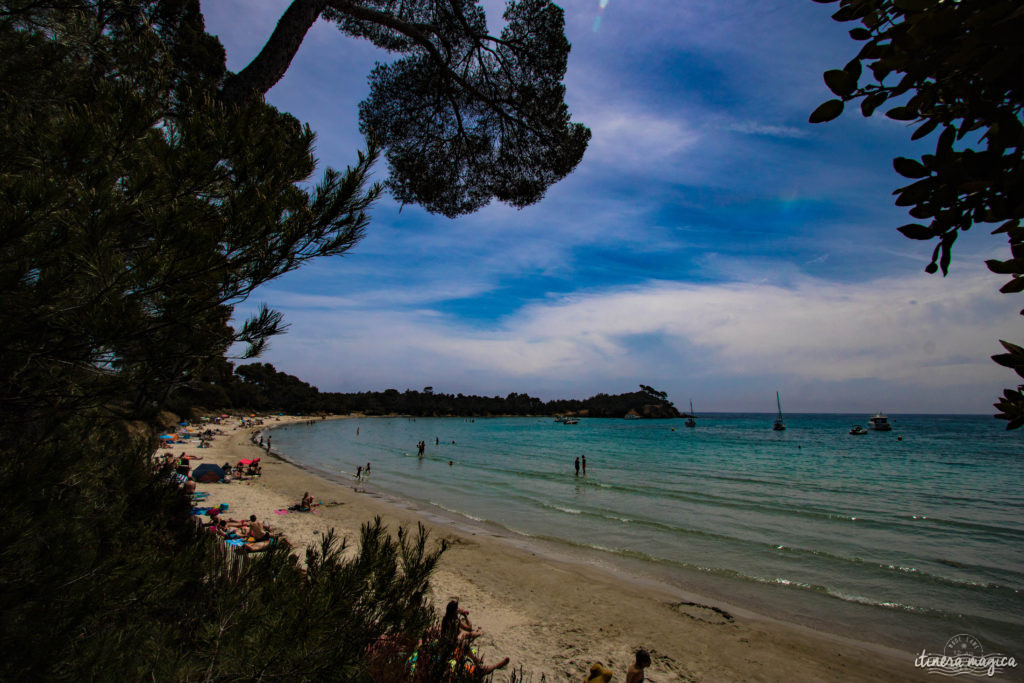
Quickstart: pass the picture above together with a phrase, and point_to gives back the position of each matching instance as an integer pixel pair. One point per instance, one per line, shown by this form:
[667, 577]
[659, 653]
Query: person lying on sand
[258, 546]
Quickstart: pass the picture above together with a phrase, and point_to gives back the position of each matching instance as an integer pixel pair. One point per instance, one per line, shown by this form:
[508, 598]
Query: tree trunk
[272, 62]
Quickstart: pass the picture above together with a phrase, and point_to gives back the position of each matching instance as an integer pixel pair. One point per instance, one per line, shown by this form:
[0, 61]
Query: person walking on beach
[584, 465]
[577, 466]
[359, 473]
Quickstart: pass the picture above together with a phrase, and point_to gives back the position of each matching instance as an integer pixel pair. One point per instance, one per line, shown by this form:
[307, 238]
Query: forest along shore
[551, 618]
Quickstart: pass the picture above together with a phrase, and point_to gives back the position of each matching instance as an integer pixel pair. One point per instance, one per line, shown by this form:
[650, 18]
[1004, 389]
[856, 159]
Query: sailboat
[779, 424]
[690, 422]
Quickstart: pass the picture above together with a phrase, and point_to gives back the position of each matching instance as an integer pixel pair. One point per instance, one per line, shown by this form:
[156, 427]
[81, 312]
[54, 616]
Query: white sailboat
[690, 422]
[779, 424]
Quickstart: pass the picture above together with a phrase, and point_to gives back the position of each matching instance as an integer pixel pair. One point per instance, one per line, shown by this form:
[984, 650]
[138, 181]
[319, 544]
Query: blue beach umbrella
[166, 437]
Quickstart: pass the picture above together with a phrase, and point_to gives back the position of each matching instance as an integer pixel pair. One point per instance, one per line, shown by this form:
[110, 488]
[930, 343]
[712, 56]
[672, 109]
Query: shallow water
[901, 542]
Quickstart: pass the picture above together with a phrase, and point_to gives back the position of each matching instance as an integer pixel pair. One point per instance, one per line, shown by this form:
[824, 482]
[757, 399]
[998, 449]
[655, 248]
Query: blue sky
[711, 243]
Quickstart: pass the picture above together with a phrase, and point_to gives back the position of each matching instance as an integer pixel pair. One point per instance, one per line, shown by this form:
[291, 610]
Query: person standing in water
[577, 466]
[584, 465]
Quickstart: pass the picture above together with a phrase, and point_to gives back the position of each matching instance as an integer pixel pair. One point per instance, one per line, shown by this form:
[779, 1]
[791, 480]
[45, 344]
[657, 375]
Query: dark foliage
[135, 210]
[259, 386]
[105, 575]
[953, 69]
[464, 116]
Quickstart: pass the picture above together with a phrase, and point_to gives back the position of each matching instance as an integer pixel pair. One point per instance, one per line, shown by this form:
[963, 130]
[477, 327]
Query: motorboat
[858, 430]
[690, 422]
[779, 424]
[879, 422]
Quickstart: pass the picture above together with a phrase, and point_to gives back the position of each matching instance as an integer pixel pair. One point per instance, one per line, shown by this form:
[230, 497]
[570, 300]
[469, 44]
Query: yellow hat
[599, 674]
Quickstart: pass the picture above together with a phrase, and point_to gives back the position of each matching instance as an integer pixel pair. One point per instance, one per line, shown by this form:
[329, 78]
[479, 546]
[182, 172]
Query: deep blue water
[904, 542]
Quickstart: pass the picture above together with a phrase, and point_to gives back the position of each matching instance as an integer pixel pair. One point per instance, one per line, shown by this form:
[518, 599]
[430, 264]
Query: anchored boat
[879, 422]
[779, 425]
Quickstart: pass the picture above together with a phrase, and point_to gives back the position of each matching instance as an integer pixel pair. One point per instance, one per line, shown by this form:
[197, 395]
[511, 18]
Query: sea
[903, 539]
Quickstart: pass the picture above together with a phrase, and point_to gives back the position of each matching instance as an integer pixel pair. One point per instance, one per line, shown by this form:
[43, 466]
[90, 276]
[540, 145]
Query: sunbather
[257, 546]
[258, 530]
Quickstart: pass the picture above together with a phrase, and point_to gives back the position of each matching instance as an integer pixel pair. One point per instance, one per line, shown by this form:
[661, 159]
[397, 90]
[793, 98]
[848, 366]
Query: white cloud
[756, 128]
[922, 333]
[626, 139]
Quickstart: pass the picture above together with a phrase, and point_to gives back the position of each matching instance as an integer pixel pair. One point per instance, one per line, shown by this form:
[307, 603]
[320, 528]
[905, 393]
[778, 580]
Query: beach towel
[281, 512]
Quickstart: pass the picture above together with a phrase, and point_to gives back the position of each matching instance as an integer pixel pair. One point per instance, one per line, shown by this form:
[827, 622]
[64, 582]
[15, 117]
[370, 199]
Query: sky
[712, 243]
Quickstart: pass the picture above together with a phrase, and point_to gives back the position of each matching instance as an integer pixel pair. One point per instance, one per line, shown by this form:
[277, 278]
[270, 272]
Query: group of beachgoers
[182, 468]
[448, 647]
[249, 535]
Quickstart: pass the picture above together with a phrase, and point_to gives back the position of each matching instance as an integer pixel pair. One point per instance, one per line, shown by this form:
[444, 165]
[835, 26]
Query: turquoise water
[902, 542]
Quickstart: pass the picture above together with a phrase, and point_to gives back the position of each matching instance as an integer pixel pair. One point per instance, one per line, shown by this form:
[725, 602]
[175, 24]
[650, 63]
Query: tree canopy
[464, 116]
[139, 203]
[138, 209]
[952, 70]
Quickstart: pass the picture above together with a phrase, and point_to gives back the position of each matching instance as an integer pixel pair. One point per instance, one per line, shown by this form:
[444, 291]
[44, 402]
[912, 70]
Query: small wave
[624, 520]
[906, 570]
[457, 512]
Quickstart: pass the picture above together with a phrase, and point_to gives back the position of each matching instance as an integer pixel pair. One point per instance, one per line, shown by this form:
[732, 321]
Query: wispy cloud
[926, 332]
[756, 128]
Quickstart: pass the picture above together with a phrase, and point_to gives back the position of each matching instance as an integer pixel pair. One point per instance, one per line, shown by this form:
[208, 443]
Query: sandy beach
[555, 618]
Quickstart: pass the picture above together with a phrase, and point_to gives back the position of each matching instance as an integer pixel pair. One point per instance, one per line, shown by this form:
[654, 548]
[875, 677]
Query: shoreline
[553, 616]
